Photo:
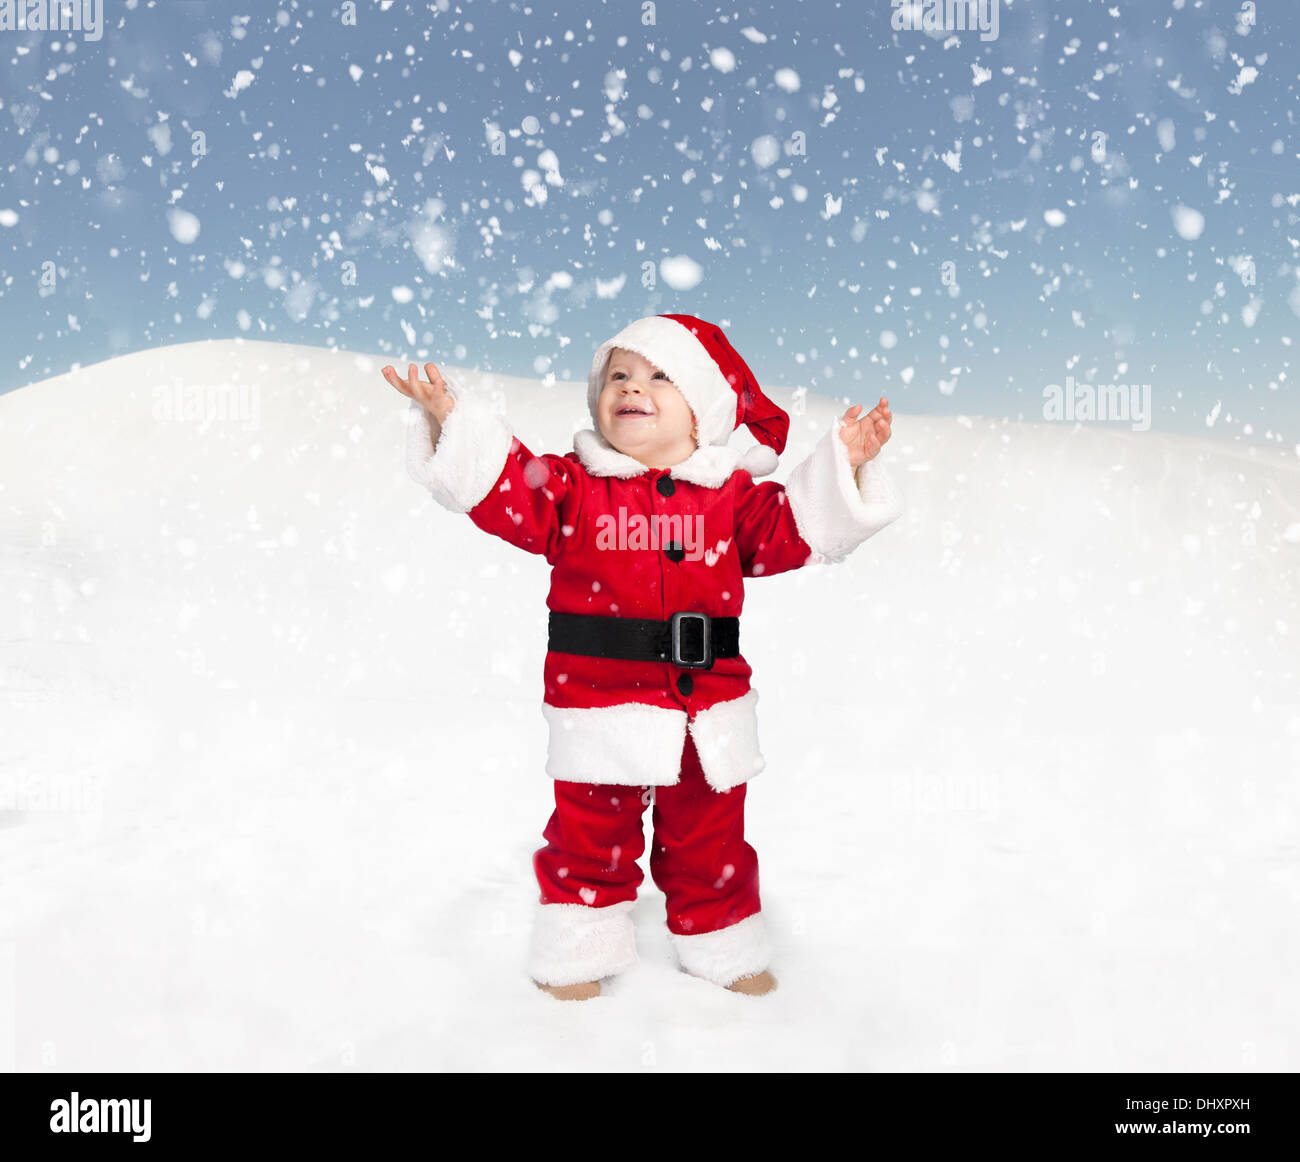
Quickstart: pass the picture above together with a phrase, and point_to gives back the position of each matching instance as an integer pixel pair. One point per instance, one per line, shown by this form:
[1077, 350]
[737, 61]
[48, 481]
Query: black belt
[691, 640]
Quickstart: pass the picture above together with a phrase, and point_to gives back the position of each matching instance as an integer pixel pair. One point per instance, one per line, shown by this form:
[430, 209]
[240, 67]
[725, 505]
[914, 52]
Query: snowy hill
[271, 754]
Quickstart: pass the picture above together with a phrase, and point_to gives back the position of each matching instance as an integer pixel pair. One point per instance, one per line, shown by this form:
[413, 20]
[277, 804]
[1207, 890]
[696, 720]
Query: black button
[665, 486]
[685, 684]
[674, 551]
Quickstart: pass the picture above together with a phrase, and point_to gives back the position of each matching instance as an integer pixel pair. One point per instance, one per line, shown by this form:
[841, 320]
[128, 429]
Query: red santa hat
[715, 381]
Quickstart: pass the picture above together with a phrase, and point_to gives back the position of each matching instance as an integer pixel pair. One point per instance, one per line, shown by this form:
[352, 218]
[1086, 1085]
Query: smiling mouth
[631, 411]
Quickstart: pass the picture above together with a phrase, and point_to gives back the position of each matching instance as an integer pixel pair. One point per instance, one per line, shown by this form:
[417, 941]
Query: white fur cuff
[573, 943]
[631, 744]
[834, 508]
[726, 739]
[470, 454]
[726, 955]
[590, 745]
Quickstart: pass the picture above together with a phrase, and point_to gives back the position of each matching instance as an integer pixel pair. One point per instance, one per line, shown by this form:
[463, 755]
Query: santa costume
[646, 694]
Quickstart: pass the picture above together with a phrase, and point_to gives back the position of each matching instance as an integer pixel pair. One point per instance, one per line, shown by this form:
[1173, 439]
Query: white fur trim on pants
[641, 746]
[726, 738]
[632, 744]
[572, 943]
[834, 508]
[726, 955]
[470, 453]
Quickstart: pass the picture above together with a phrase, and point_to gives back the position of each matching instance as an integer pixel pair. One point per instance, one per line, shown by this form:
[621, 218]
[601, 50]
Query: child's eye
[660, 375]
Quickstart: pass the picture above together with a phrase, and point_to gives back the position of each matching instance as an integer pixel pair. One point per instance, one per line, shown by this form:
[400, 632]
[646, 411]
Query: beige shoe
[583, 991]
[754, 985]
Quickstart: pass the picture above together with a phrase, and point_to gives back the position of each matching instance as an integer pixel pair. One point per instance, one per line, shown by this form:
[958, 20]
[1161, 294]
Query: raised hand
[865, 435]
[432, 396]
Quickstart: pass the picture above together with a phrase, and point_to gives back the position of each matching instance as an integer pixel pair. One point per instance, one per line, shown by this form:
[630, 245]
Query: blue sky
[504, 185]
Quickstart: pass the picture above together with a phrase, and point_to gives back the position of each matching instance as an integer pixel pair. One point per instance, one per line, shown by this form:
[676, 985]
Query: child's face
[642, 413]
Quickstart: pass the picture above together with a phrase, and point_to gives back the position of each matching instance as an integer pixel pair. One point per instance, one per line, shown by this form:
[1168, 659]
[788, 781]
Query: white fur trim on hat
[726, 955]
[572, 943]
[631, 743]
[726, 739]
[834, 508]
[469, 456]
[760, 460]
[672, 348]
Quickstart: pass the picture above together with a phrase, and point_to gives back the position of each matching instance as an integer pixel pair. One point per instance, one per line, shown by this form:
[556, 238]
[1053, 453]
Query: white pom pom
[760, 460]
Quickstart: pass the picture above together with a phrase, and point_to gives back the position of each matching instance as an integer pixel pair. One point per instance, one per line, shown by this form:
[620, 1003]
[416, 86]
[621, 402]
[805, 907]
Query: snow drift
[271, 754]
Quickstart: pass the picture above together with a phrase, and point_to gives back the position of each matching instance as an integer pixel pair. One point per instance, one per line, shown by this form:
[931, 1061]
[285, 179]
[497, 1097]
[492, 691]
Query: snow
[1189, 223]
[161, 136]
[272, 762]
[681, 272]
[183, 225]
[243, 78]
[8, 218]
[1054, 217]
[722, 59]
[433, 244]
[765, 150]
[1245, 77]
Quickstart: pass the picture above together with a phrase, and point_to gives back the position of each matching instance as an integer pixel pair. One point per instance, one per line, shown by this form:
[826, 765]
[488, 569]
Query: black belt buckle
[705, 662]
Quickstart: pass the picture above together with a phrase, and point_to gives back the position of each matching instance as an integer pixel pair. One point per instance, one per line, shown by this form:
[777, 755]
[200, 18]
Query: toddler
[650, 525]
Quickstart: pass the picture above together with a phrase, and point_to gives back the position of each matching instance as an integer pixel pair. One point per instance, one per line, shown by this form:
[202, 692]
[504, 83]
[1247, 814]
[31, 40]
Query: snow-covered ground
[271, 757]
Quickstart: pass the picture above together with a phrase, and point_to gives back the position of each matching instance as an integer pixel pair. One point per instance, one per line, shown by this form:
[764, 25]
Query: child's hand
[433, 396]
[865, 435]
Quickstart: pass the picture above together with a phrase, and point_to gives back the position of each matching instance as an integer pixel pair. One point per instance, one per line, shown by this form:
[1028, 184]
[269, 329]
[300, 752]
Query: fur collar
[710, 466]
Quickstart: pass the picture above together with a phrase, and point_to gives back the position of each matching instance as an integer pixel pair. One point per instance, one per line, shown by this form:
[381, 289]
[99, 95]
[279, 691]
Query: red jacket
[603, 521]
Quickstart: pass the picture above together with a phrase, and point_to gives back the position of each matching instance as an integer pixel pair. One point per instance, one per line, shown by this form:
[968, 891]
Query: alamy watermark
[101, 1115]
[84, 16]
[946, 16]
[239, 403]
[934, 793]
[1078, 402]
[659, 531]
[60, 792]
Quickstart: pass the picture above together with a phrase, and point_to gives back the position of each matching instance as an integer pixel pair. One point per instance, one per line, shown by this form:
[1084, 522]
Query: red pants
[700, 859]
